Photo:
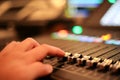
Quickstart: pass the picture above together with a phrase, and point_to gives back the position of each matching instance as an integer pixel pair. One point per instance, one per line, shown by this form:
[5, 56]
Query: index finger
[42, 51]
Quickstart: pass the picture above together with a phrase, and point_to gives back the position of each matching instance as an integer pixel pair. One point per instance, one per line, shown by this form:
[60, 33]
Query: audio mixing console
[83, 61]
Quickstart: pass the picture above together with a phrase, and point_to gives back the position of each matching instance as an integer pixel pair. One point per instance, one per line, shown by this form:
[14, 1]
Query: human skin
[23, 60]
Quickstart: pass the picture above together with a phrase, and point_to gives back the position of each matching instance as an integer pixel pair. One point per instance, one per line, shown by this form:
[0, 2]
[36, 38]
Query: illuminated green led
[77, 29]
[112, 1]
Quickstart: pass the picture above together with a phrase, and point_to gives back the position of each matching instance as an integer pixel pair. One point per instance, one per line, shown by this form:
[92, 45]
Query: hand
[21, 60]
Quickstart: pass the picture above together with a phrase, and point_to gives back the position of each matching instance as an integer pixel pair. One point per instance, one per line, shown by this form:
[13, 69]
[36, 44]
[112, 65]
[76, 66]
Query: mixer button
[82, 61]
[79, 61]
[76, 55]
[93, 62]
[73, 59]
[65, 58]
[115, 67]
[105, 65]
[69, 59]
[80, 56]
[87, 57]
[68, 54]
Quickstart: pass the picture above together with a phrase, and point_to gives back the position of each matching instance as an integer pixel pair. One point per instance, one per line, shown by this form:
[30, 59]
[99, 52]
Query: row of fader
[100, 64]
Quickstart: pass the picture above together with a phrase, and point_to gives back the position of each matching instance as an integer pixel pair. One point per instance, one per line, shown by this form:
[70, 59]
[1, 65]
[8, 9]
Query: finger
[38, 69]
[28, 44]
[10, 47]
[42, 51]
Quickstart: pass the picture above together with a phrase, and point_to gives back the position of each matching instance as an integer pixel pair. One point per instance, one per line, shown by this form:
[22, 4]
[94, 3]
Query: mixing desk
[87, 30]
[83, 60]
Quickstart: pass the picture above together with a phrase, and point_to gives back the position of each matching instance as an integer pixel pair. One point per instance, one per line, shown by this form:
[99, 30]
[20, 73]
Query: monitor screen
[81, 8]
[112, 16]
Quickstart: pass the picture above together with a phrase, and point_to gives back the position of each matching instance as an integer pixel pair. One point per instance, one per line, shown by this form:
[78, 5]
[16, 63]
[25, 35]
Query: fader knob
[105, 64]
[73, 59]
[93, 62]
[82, 61]
[65, 58]
[79, 61]
[115, 67]
[85, 59]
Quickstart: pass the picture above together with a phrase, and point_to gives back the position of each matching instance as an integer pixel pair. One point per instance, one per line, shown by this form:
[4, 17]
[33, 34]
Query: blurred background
[20, 19]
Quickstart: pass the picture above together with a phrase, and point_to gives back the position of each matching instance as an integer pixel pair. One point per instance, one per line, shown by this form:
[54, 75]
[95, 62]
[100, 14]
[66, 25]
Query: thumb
[39, 69]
